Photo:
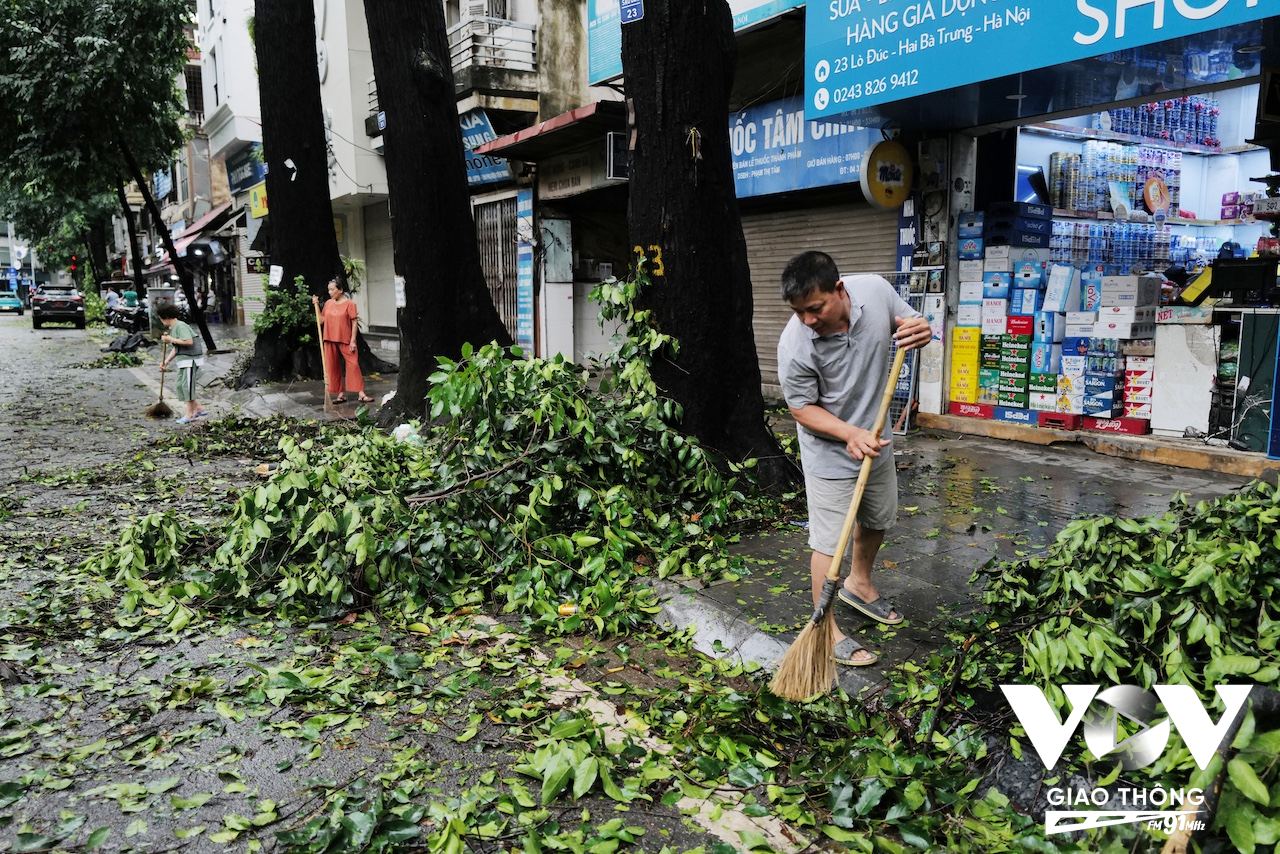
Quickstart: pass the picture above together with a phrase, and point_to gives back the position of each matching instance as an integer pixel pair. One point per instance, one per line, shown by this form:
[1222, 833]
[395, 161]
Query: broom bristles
[807, 670]
[159, 409]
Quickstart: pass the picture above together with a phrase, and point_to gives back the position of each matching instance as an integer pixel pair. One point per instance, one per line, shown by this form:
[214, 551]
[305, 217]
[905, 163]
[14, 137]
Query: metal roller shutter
[860, 238]
[380, 270]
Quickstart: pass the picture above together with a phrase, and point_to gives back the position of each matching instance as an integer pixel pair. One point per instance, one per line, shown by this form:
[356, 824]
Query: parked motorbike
[129, 318]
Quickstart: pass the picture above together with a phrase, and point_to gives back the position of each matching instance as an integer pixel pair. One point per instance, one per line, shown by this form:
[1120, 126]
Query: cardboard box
[1128, 313]
[1042, 402]
[988, 395]
[1075, 345]
[969, 224]
[1129, 291]
[1140, 411]
[1016, 341]
[996, 265]
[970, 410]
[1072, 385]
[969, 315]
[1046, 358]
[1113, 329]
[964, 395]
[971, 271]
[994, 325]
[1022, 209]
[1134, 426]
[1138, 347]
[1103, 383]
[1082, 318]
[1077, 330]
[1017, 399]
[1137, 396]
[1074, 364]
[1001, 278]
[1230, 212]
[992, 306]
[971, 293]
[1231, 197]
[1016, 416]
[964, 384]
[1101, 407]
[1102, 346]
[1049, 327]
[1072, 403]
[1059, 421]
[1139, 379]
[1020, 325]
[989, 377]
[1024, 301]
[1140, 363]
[1062, 288]
[1014, 238]
[966, 338]
[1029, 276]
[995, 292]
[999, 253]
[969, 248]
[1042, 383]
[965, 370]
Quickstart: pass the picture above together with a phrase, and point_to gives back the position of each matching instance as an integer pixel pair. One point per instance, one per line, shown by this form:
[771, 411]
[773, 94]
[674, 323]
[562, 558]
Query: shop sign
[161, 183]
[245, 168]
[604, 28]
[887, 175]
[481, 168]
[775, 150]
[860, 53]
[258, 201]
[260, 264]
[574, 173]
[524, 270]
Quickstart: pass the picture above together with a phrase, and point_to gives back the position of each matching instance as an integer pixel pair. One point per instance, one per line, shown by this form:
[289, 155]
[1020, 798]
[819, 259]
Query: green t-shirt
[182, 331]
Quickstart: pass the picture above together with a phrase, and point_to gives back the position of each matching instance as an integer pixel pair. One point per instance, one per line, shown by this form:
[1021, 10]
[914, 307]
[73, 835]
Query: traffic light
[73, 264]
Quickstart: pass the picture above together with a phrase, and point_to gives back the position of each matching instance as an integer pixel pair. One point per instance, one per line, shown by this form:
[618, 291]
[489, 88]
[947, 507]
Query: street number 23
[655, 256]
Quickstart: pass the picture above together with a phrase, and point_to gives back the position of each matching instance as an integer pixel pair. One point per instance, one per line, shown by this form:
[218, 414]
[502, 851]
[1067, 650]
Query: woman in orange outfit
[339, 319]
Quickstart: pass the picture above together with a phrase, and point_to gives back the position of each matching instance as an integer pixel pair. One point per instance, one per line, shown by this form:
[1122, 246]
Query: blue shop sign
[860, 53]
[161, 183]
[245, 168]
[604, 29]
[776, 150]
[481, 168]
[524, 270]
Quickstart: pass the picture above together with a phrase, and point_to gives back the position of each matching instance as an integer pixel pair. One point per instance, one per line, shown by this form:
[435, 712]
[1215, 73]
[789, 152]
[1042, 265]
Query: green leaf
[754, 841]
[1240, 828]
[872, 791]
[96, 838]
[584, 776]
[1246, 780]
[554, 777]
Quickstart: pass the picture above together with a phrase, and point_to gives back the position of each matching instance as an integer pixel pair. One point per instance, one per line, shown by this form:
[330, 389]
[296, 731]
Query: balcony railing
[493, 42]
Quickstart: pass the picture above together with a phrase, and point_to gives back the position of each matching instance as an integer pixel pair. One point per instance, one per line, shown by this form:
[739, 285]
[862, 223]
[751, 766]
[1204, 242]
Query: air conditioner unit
[617, 164]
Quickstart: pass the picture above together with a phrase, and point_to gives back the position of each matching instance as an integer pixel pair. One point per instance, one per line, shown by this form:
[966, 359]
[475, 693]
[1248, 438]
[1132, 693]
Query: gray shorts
[185, 383]
[829, 503]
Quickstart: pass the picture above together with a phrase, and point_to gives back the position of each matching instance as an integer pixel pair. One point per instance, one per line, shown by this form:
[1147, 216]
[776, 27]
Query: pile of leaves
[113, 360]
[536, 484]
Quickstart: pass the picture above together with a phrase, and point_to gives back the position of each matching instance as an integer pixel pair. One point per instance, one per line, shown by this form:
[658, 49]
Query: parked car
[9, 302]
[57, 303]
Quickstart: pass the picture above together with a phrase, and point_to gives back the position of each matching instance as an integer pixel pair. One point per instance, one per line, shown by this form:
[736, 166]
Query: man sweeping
[832, 359]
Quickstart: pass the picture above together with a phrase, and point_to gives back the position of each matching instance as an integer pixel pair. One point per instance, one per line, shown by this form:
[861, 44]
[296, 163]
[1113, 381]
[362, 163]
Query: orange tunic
[337, 319]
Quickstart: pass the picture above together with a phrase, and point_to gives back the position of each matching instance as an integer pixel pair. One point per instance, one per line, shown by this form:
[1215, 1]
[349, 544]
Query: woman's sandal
[339, 400]
[364, 399]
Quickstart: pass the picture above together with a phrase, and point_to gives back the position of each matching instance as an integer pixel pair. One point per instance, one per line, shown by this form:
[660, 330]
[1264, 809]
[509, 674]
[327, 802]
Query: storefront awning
[191, 232]
[561, 133]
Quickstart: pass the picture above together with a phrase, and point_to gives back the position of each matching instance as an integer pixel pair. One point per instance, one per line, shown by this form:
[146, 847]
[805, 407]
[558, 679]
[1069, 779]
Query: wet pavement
[963, 502]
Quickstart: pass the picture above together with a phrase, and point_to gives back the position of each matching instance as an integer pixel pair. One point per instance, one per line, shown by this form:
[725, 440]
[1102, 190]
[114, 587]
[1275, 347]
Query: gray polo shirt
[844, 373]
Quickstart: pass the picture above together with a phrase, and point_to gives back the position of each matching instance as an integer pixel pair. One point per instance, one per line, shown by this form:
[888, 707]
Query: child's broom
[160, 409]
[808, 669]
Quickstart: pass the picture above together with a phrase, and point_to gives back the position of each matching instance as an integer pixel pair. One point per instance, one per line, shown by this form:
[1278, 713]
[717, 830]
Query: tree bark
[303, 241]
[447, 302]
[96, 240]
[135, 247]
[679, 61]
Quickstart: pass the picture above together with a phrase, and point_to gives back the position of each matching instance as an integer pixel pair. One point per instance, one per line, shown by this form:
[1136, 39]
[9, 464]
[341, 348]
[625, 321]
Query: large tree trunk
[679, 62]
[447, 302]
[303, 241]
[135, 246]
[96, 240]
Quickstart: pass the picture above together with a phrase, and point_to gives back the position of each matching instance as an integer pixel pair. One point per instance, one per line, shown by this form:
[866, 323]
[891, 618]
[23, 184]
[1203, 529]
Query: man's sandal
[845, 651]
[877, 609]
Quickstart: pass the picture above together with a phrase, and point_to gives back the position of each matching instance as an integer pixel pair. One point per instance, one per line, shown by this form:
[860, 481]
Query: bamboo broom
[808, 669]
[324, 362]
[160, 409]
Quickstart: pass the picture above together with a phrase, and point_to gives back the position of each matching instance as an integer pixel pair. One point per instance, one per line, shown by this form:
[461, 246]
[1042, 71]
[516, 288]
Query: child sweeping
[187, 357]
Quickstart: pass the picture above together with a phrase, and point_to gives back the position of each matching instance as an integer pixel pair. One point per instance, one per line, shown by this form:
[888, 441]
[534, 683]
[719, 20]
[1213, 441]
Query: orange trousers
[335, 357]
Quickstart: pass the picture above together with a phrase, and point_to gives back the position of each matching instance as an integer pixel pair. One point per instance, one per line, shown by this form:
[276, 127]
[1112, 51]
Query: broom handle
[324, 363]
[864, 472]
[164, 354]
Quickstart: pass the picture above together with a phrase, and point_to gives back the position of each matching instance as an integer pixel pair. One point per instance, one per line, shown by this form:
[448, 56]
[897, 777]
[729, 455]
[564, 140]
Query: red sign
[1131, 426]
[972, 410]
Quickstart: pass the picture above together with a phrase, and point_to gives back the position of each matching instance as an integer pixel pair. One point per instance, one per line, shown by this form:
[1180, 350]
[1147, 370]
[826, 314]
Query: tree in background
[447, 302]
[86, 86]
[679, 61]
